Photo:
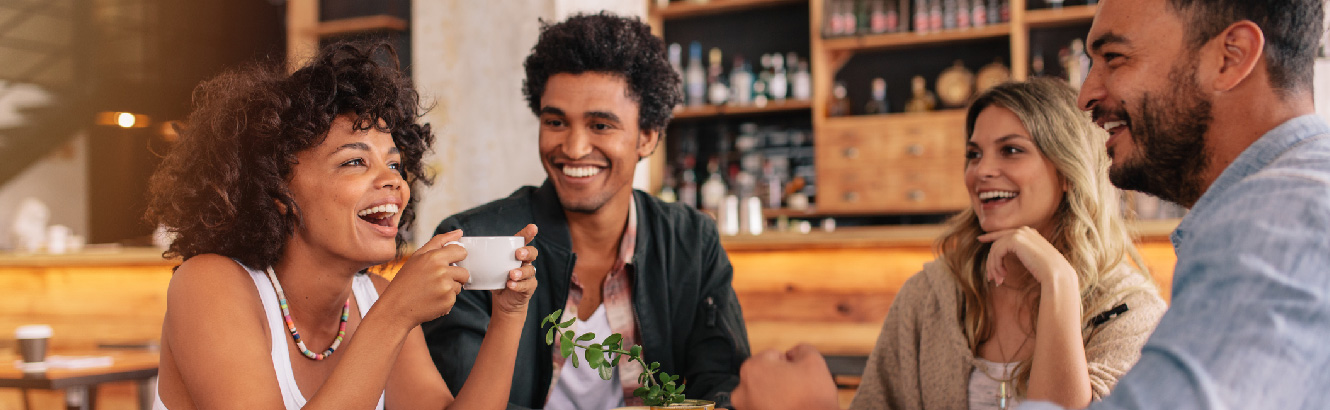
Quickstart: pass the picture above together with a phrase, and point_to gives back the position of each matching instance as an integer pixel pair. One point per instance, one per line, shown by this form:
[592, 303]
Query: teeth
[1113, 124]
[984, 196]
[580, 172]
[390, 209]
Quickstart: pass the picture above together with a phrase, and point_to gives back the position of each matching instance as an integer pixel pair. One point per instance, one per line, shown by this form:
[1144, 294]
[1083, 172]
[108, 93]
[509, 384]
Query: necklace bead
[291, 324]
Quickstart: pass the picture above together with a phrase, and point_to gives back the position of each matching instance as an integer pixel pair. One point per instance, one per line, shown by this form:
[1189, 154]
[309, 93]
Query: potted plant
[659, 390]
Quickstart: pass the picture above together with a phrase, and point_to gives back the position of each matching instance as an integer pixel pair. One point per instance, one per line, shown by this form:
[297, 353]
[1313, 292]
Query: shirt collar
[1260, 154]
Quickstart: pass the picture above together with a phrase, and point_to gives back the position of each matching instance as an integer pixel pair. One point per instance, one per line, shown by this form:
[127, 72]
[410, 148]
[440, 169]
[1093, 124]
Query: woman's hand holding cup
[521, 284]
[427, 285]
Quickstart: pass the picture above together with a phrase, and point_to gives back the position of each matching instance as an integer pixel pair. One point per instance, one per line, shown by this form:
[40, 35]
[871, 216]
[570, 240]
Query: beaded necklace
[290, 324]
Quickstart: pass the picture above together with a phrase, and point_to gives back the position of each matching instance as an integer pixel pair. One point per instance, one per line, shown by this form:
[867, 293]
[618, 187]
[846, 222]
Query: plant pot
[689, 405]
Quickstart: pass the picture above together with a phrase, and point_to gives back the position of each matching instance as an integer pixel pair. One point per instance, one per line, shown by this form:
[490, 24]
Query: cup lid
[33, 332]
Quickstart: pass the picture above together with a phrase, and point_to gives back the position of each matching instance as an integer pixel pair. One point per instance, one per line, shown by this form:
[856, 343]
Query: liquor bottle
[921, 17]
[1037, 63]
[922, 99]
[994, 11]
[840, 104]
[1006, 11]
[878, 105]
[862, 17]
[778, 85]
[696, 76]
[935, 15]
[877, 18]
[688, 188]
[676, 62]
[717, 91]
[949, 14]
[667, 193]
[1077, 65]
[962, 14]
[713, 191]
[771, 188]
[893, 16]
[979, 14]
[741, 83]
[801, 83]
[849, 22]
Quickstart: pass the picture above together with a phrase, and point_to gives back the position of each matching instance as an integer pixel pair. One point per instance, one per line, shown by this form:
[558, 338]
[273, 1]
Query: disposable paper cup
[32, 342]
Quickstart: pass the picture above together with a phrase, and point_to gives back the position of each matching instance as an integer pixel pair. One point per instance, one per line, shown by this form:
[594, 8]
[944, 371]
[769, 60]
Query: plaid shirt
[617, 296]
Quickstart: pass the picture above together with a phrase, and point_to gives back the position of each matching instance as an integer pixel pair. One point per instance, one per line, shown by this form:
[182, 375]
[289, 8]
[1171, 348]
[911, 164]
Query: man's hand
[797, 379]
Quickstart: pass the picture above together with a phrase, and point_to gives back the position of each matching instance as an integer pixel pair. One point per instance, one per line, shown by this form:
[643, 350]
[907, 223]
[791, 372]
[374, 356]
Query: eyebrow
[552, 110]
[604, 115]
[1106, 39]
[1003, 139]
[360, 146]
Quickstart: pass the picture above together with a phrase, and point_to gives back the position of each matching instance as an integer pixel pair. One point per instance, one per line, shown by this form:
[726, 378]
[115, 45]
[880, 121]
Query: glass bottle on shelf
[688, 187]
[840, 104]
[1037, 63]
[877, 17]
[979, 14]
[779, 86]
[667, 193]
[676, 62]
[696, 76]
[848, 20]
[1077, 64]
[994, 10]
[922, 99]
[801, 83]
[713, 191]
[771, 189]
[921, 16]
[935, 15]
[1005, 11]
[893, 16]
[717, 92]
[949, 18]
[878, 105]
[741, 83]
[962, 14]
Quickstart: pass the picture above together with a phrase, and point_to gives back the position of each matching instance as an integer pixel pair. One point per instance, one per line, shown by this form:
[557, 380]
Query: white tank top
[581, 388]
[363, 289]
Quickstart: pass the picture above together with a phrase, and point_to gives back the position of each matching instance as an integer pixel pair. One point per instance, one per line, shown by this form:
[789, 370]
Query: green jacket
[687, 313]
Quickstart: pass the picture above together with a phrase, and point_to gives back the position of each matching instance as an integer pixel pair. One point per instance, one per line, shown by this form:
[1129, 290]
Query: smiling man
[1209, 103]
[615, 259]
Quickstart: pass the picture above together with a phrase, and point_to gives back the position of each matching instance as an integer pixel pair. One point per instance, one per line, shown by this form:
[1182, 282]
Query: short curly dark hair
[223, 188]
[605, 43]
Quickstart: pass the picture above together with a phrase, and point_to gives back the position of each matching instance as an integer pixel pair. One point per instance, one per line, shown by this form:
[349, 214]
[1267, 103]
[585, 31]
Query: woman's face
[350, 192]
[1011, 183]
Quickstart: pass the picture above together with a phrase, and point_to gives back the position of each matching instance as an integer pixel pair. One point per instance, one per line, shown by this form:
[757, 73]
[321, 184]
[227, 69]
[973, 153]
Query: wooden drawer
[910, 163]
[892, 189]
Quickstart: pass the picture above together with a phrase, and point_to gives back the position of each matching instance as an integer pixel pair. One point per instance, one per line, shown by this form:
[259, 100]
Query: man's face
[1143, 89]
[589, 138]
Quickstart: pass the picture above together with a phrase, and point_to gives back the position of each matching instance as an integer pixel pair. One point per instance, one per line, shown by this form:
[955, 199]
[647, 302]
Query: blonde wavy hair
[1088, 226]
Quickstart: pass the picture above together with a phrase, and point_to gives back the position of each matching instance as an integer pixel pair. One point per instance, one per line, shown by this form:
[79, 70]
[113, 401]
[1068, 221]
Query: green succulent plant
[605, 355]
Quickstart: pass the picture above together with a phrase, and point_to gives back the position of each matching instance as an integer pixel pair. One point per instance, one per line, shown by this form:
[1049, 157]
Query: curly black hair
[605, 43]
[223, 189]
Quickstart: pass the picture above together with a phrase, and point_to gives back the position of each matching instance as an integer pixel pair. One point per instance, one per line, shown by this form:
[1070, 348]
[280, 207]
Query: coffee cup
[32, 343]
[489, 259]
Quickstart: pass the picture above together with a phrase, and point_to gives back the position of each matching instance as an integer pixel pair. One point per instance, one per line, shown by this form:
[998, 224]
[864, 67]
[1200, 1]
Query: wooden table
[80, 385]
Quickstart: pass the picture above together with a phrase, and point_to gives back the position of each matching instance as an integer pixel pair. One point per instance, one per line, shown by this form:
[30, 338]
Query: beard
[1170, 141]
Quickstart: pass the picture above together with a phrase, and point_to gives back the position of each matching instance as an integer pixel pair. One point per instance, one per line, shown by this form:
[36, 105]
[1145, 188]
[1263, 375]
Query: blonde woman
[1034, 296]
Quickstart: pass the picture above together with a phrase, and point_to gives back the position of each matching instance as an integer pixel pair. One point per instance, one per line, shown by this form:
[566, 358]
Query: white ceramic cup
[489, 259]
[32, 343]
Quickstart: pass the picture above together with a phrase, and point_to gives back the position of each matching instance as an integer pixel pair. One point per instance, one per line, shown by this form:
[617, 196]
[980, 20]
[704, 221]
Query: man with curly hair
[615, 259]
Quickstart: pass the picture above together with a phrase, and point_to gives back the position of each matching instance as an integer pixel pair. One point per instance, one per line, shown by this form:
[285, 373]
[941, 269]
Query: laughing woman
[284, 190]
[1034, 295]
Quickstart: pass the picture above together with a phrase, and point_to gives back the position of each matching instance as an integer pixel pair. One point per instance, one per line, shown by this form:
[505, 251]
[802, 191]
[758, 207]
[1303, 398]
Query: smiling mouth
[580, 171]
[381, 215]
[993, 197]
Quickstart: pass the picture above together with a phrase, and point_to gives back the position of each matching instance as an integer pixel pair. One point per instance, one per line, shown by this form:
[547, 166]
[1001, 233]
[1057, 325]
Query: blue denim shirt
[1249, 323]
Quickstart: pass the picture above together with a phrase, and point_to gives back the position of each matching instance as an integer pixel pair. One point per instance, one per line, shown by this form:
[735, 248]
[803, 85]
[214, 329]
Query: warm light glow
[124, 120]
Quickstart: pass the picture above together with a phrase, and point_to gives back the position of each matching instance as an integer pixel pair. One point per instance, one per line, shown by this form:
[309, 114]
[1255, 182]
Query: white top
[984, 390]
[581, 388]
[363, 289]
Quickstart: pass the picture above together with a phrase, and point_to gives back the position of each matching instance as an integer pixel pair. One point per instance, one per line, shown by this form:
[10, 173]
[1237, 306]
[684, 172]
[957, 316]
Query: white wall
[468, 62]
[60, 181]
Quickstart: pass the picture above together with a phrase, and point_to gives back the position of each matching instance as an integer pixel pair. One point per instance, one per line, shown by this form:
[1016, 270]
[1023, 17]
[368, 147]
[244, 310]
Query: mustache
[594, 156]
[1100, 112]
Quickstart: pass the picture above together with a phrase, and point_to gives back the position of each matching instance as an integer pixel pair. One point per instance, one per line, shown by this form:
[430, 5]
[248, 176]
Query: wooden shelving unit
[881, 42]
[1066, 16]
[690, 8]
[359, 25]
[710, 111]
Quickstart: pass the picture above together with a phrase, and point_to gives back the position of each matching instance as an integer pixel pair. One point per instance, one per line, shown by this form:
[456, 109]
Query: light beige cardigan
[922, 359]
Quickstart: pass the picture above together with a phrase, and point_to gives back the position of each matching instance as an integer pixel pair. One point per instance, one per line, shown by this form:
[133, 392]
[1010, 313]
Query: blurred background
[826, 136]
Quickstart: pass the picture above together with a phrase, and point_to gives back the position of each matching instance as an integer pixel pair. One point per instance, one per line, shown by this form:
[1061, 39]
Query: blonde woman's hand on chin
[427, 285]
[1027, 247]
[513, 298]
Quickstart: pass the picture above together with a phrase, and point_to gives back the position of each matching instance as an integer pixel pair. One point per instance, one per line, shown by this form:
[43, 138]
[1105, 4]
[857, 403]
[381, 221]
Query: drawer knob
[851, 153]
[851, 196]
[915, 195]
[915, 150]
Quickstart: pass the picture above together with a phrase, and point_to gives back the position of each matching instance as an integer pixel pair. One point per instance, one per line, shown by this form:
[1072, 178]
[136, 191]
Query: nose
[982, 168]
[1092, 91]
[578, 144]
[390, 178]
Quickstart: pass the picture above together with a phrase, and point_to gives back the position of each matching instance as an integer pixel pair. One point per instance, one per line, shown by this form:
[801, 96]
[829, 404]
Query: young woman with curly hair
[1036, 293]
[284, 190]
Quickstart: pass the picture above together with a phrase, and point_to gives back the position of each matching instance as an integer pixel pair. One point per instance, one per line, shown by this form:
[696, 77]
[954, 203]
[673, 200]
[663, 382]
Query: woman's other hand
[427, 285]
[513, 298]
